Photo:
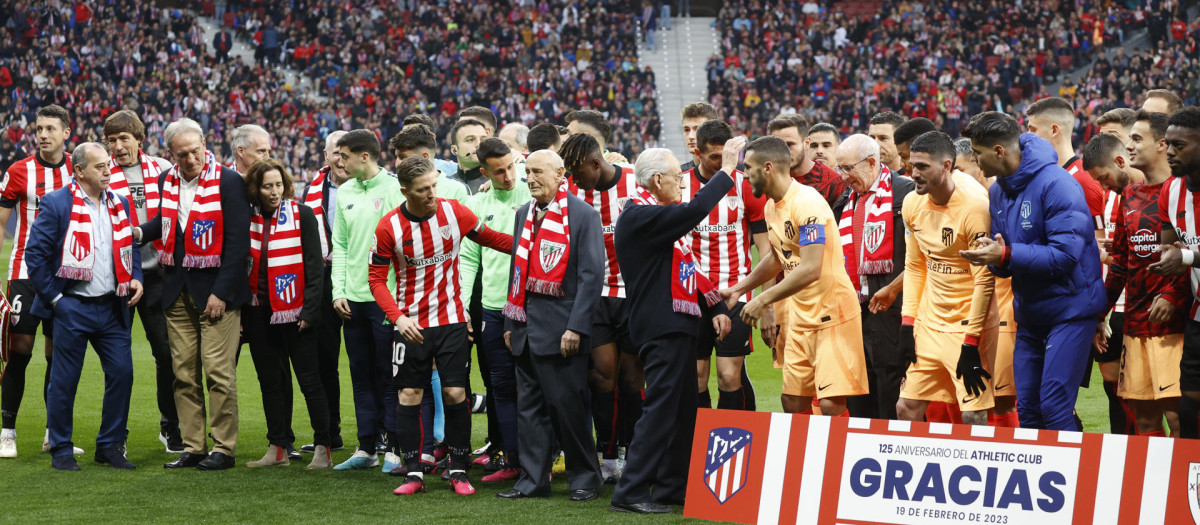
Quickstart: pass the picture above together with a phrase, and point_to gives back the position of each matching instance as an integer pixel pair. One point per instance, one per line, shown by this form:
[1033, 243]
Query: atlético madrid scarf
[204, 229]
[79, 246]
[686, 279]
[553, 249]
[285, 262]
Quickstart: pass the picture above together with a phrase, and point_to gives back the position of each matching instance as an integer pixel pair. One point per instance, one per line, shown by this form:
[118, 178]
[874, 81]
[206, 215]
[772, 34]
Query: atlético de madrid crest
[727, 463]
[550, 253]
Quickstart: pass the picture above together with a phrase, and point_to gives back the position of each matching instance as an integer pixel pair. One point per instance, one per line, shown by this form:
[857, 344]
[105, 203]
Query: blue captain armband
[811, 234]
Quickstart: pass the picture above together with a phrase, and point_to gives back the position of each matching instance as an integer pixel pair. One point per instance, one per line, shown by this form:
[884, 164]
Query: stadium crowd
[908, 266]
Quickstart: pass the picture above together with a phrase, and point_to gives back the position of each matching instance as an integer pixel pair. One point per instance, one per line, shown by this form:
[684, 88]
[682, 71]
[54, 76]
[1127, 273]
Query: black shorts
[1189, 364]
[1116, 341]
[20, 295]
[412, 363]
[611, 324]
[736, 343]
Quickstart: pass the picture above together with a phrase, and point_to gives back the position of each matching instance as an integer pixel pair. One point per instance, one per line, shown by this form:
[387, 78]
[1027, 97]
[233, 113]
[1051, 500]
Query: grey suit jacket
[548, 317]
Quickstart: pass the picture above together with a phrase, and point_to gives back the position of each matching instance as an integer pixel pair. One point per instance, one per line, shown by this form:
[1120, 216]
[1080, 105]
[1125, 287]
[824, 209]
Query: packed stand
[527, 62]
[942, 60]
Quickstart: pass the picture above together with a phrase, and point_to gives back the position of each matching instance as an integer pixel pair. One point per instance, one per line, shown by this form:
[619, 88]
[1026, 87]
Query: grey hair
[240, 137]
[861, 146]
[79, 155]
[652, 161]
[962, 147]
[522, 131]
[332, 138]
[179, 127]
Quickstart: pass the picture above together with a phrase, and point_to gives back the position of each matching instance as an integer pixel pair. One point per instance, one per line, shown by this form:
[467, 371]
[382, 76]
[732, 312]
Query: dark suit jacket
[324, 206]
[43, 253]
[582, 285]
[314, 266]
[228, 281]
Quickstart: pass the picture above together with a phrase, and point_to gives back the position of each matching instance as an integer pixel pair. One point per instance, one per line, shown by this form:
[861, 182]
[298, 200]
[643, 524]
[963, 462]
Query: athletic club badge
[732, 202]
[727, 464]
[1193, 490]
[166, 225]
[127, 257]
[285, 287]
[202, 233]
[873, 234]
[550, 253]
[81, 244]
[445, 232]
[378, 204]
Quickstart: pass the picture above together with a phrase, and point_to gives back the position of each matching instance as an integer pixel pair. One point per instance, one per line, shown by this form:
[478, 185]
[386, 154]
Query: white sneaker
[46, 446]
[8, 446]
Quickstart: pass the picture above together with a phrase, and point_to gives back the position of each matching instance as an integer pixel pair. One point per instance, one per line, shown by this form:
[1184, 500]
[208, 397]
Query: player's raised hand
[733, 151]
[987, 252]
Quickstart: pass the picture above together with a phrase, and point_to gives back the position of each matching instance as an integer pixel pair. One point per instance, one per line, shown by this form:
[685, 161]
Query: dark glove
[971, 371]
[908, 344]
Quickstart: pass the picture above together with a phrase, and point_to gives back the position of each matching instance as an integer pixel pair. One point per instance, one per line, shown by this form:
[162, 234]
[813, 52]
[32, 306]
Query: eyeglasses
[678, 178]
[843, 169]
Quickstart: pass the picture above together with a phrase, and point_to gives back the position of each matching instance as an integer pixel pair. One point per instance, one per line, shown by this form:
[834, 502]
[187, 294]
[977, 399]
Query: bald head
[544, 173]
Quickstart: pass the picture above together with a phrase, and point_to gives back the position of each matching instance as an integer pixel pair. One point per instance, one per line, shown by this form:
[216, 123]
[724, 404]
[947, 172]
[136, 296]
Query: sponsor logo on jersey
[1144, 243]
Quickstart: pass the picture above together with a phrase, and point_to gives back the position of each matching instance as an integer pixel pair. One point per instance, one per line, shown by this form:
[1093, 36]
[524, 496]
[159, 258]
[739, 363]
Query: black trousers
[554, 404]
[885, 366]
[272, 346]
[154, 321]
[329, 352]
[656, 466]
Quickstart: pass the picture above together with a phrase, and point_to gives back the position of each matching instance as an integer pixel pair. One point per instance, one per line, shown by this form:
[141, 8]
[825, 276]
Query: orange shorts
[781, 320]
[824, 363]
[932, 377]
[1002, 367]
[1150, 367]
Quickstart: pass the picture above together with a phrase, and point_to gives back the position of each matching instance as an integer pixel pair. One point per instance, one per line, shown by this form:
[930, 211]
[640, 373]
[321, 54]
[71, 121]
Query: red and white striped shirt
[721, 243]
[609, 202]
[1177, 208]
[425, 254]
[1112, 209]
[24, 185]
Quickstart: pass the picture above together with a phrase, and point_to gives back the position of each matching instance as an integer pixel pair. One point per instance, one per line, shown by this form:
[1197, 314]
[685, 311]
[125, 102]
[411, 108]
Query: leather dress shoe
[645, 507]
[216, 461]
[64, 463]
[511, 494]
[292, 453]
[186, 460]
[113, 457]
[584, 494]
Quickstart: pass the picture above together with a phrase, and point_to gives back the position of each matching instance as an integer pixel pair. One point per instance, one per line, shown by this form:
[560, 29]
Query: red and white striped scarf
[285, 262]
[313, 199]
[151, 169]
[79, 246]
[205, 227]
[875, 257]
[686, 277]
[553, 249]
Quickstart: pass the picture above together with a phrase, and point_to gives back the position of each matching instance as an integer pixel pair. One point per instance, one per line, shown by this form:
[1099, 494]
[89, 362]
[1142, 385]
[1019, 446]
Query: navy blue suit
[104, 323]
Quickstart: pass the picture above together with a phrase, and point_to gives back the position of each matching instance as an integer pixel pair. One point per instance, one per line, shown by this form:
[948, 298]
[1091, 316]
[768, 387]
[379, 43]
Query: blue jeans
[664, 18]
[369, 349]
[651, 44]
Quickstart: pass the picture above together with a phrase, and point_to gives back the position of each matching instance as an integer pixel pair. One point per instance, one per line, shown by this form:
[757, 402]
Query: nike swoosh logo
[824, 387]
[966, 400]
[1164, 388]
[1001, 387]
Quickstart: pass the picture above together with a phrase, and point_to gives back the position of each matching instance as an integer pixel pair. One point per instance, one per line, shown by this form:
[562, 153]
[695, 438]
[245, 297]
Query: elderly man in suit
[557, 265]
[203, 219]
[87, 274]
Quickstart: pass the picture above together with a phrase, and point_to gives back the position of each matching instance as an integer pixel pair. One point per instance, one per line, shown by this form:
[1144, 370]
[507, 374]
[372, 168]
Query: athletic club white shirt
[24, 185]
[721, 243]
[1177, 208]
[609, 202]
